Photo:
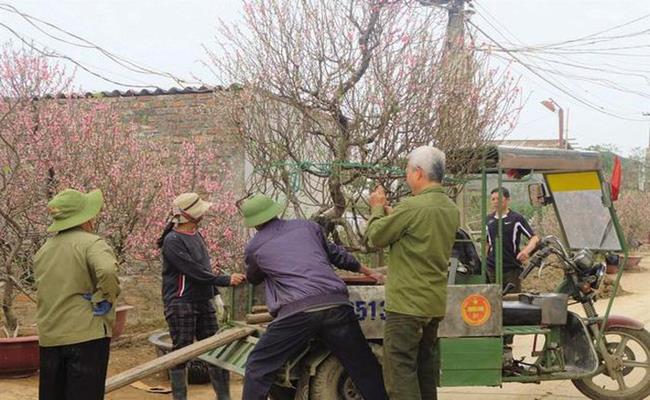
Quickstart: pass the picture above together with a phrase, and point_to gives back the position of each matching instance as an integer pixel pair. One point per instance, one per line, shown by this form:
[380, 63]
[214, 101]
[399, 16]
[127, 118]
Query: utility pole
[457, 70]
[551, 105]
[455, 22]
[560, 113]
[452, 112]
[566, 130]
[455, 39]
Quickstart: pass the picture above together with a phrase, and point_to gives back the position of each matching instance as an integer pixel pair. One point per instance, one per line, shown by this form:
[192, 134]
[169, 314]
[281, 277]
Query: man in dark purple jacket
[306, 297]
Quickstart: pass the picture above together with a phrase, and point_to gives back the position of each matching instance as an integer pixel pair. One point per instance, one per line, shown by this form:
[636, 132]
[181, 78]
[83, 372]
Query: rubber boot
[220, 379]
[178, 378]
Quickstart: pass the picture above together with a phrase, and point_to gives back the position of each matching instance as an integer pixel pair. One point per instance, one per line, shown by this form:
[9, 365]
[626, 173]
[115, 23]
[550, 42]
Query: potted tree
[19, 355]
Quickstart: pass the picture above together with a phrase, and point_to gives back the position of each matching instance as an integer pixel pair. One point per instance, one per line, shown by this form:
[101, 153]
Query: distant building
[535, 143]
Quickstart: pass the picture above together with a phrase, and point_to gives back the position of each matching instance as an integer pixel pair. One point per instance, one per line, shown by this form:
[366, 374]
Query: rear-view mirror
[537, 195]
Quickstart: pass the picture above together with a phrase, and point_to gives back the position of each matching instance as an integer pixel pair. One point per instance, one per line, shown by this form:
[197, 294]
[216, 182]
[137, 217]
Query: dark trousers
[338, 328]
[74, 372]
[509, 276]
[411, 362]
[190, 321]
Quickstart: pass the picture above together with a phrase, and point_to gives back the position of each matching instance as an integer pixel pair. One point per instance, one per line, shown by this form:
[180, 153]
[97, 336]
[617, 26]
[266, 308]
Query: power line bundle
[562, 66]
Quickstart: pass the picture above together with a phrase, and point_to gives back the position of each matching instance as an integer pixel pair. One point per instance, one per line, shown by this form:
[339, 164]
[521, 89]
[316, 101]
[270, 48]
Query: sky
[170, 35]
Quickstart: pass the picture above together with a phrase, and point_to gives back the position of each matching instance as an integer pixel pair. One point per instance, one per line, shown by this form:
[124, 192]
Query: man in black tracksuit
[189, 287]
[514, 226]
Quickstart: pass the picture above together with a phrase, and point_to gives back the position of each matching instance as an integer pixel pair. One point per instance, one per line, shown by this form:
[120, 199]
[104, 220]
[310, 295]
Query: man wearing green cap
[306, 297]
[77, 284]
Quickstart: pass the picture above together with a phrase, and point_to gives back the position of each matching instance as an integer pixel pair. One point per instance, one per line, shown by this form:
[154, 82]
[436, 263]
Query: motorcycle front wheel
[631, 378]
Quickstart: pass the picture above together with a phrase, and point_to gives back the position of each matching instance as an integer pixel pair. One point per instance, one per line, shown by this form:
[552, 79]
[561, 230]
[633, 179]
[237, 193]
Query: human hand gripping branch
[378, 277]
[378, 198]
[236, 279]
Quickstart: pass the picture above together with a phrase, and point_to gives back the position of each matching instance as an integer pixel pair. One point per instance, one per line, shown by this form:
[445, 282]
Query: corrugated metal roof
[143, 92]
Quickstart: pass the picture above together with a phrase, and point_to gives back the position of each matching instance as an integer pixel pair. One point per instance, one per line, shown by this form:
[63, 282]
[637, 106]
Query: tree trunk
[336, 192]
[381, 262]
[7, 302]
[11, 321]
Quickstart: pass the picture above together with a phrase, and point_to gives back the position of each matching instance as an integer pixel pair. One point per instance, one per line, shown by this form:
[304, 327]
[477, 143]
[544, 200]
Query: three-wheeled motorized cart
[605, 356]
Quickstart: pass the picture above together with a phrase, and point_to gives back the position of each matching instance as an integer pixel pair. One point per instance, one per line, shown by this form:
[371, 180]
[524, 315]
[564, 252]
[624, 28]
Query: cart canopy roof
[527, 158]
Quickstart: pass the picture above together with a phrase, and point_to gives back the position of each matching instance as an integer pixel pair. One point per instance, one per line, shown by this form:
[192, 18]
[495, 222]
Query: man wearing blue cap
[306, 297]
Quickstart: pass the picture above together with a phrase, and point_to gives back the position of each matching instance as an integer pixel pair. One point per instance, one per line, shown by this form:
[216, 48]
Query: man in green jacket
[420, 233]
[76, 279]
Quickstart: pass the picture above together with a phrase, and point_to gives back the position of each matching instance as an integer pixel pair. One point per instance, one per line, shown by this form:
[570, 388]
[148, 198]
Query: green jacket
[420, 232]
[67, 266]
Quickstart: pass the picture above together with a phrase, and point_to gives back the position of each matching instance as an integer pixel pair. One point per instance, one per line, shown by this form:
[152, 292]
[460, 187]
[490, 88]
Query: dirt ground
[122, 359]
[143, 292]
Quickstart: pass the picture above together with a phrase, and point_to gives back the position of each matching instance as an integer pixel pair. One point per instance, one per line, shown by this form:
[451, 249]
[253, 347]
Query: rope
[295, 168]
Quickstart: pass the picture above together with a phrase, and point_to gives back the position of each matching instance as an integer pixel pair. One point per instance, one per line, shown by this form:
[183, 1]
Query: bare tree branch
[335, 93]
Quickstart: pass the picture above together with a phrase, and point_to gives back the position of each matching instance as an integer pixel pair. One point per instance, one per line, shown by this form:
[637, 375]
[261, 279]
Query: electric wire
[41, 26]
[542, 65]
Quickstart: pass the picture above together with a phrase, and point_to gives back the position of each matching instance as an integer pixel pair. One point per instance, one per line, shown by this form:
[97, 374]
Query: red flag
[615, 182]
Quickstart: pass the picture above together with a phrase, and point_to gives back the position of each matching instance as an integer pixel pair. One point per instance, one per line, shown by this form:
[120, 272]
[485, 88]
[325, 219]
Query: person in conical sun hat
[76, 279]
[189, 287]
[306, 297]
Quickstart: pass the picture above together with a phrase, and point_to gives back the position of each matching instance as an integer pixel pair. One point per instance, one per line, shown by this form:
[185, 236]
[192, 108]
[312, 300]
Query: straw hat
[190, 205]
[71, 208]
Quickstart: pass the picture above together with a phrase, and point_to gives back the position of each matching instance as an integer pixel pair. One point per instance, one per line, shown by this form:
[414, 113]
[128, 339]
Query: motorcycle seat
[520, 313]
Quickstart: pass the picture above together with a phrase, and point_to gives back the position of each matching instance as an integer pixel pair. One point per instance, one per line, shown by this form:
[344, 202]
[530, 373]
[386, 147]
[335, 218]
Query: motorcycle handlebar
[534, 262]
[548, 245]
[537, 248]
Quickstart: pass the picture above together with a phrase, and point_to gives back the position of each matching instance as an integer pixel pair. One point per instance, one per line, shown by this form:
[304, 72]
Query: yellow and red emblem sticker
[475, 310]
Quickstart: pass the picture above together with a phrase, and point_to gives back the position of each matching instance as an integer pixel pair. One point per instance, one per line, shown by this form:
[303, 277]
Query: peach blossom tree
[334, 94]
[47, 145]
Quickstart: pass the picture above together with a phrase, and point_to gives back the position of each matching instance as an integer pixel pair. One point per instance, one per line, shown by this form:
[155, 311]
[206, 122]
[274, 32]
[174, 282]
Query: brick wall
[172, 118]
